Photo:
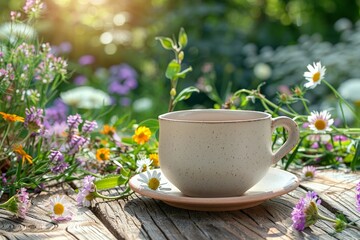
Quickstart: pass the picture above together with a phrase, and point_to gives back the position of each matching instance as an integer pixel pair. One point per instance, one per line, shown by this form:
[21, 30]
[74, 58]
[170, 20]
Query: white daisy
[143, 165]
[315, 75]
[61, 209]
[152, 180]
[320, 121]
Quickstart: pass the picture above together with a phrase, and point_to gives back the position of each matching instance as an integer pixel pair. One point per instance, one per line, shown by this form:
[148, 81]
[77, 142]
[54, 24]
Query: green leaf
[182, 38]
[185, 94]
[166, 42]
[110, 182]
[183, 73]
[356, 160]
[152, 124]
[292, 156]
[172, 69]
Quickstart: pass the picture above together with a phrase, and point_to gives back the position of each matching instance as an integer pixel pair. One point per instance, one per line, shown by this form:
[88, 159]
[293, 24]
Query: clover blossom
[86, 193]
[33, 119]
[58, 162]
[305, 213]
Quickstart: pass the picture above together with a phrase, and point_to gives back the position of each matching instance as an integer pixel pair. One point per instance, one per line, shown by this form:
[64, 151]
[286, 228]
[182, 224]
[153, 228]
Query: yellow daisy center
[316, 77]
[309, 174]
[153, 183]
[144, 168]
[320, 124]
[59, 209]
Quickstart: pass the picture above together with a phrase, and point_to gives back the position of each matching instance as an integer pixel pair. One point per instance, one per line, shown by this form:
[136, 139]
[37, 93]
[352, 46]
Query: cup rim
[168, 116]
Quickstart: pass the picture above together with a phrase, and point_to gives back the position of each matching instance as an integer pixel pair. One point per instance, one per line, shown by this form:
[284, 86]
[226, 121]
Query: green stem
[334, 221]
[305, 105]
[4, 136]
[126, 193]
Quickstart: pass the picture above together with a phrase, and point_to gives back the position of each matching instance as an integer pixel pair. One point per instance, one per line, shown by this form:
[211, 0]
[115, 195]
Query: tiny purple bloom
[80, 80]
[89, 126]
[305, 212]
[86, 60]
[57, 160]
[76, 142]
[3, 178]
[85, 194]
[73, 122]
[24, 203]
[340, 138]
[315, 145]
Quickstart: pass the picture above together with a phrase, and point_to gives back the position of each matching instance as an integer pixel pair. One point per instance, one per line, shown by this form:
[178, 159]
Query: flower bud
[181, 55]
[173, 92]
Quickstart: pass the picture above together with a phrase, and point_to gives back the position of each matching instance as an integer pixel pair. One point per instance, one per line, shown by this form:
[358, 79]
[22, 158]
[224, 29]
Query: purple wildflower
[73, 122]
[358, 196]
[56, 114]
[86, 193]
[89, 126]
[3, 178]
[76, 142]
[57, 160]
[329, 146]
[122, 79]
[80, 80]
[33, 119]
[339, 159]
[24, 203]
[315, 145]
[340, 138]
[305, 212]
[86, 60]
[309, 171]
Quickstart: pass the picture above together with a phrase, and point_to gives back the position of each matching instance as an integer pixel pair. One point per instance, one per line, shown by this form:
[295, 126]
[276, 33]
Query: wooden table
[144, 218]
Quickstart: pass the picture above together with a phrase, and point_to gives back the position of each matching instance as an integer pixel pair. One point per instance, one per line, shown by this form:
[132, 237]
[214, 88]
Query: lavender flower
[57, 160]
[33, 119]
[33, 6]
[76, 142]
[358, 196]
[305, 213]
[89, 126]
[86, 194]
[73, 122]
[3, 179]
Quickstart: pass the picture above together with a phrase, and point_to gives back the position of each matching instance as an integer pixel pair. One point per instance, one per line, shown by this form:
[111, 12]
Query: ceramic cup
[220, 153]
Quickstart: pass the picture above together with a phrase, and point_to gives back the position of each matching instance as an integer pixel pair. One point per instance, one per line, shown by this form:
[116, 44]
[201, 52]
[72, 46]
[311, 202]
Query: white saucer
[275, 183]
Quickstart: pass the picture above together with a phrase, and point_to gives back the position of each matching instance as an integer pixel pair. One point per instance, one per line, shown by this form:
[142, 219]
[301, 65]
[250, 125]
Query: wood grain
[38, 225]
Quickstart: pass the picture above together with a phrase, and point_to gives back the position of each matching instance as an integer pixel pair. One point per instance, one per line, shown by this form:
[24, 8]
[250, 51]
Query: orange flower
[155, 159]
[11, 117]
[142, 135]
[103, 154]
[19, 150]
[108, 130]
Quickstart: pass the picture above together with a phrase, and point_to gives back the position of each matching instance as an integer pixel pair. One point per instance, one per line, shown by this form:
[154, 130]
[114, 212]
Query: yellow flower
[19, 150]
[103, 154]
[108, 130]
[155, 159]
[11, 117]
[142, 135]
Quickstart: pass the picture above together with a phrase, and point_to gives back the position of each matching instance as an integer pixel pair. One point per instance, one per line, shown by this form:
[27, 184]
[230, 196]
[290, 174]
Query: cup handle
[293, 136]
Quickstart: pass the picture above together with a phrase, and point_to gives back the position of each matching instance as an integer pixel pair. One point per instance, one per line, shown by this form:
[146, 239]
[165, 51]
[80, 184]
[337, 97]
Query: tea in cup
[220, 153]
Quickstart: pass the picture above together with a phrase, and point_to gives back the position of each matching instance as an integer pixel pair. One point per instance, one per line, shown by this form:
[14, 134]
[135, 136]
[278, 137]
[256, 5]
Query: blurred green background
[235, 44]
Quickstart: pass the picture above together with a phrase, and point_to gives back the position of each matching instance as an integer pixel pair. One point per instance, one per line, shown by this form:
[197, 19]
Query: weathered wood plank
[151, 219]
[38, 225]
[337, 191]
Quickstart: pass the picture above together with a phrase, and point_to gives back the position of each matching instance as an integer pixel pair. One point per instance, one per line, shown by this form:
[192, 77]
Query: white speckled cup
[220, 153]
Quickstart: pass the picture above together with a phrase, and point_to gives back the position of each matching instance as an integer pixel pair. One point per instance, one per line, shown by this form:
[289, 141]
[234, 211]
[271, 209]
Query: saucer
[275, 183]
